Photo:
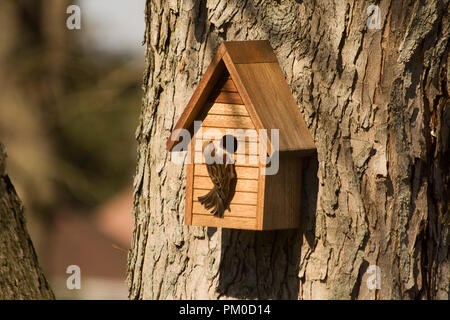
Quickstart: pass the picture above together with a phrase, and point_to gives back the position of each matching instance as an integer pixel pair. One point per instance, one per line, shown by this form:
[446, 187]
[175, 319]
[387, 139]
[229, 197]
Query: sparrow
[222, 172]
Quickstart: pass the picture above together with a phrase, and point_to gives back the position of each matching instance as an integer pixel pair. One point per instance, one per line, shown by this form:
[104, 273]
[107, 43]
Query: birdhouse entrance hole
[229, 143]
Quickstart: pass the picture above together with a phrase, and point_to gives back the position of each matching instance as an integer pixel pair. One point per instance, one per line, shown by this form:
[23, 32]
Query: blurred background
[69, 106]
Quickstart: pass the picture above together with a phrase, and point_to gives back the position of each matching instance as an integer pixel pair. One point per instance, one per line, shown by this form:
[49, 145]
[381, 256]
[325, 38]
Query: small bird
[222, 172]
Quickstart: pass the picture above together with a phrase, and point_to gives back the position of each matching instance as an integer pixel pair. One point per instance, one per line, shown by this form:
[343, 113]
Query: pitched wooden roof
[260, 82]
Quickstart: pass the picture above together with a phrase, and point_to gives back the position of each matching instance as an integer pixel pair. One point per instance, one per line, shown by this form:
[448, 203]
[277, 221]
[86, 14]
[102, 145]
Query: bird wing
[223, 176]
[218, 172]
[218, 175]
[232, 176]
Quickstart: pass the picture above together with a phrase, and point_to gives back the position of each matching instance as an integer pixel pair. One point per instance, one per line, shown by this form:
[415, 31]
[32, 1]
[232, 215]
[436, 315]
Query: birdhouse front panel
[225, 114]
[243, 96]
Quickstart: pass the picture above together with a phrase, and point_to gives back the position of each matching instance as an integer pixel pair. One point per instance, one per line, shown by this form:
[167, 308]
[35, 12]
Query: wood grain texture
[189, 187]
[239, 197]
[237, 209]
[242, 185]
[228, 109]
[228, 85]
[227, 97]
[224, 121]
[225, 222]
[206, 133]
[240, 159]
[266, 87]
[243, 147]
[261, 204]
[231, 68]
[282, 197]
[242, 172]
[256, 51]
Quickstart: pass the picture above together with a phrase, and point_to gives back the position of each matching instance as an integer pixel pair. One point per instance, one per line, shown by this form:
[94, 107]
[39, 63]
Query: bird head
[209, 152]
[209, 148]
[213, 154]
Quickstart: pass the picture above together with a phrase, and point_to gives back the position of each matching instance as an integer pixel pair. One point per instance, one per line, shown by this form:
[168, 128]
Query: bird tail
[213, 200]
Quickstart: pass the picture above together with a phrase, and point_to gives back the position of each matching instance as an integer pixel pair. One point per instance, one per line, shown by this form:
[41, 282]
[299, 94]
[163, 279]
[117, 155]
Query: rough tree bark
[20, 274]
[376, 103]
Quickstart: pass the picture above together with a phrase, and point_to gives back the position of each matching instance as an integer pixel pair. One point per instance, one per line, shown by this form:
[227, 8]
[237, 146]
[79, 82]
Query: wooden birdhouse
[243, 113]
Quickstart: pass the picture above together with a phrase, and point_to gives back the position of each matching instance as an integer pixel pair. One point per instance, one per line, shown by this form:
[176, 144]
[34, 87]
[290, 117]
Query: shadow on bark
[265, 264]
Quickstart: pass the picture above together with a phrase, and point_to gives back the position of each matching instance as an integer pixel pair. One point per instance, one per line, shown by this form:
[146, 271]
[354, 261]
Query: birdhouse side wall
[282, 198]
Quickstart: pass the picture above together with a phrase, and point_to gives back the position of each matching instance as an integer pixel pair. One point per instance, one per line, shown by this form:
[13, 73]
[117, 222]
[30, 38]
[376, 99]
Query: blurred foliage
[67, 115]
[95, 126]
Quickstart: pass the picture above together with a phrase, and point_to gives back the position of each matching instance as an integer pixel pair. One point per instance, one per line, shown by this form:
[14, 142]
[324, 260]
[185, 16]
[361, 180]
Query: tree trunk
[375, 200]
[20, 274]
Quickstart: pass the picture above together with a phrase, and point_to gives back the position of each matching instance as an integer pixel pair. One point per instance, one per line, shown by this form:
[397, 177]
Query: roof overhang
[262, 86]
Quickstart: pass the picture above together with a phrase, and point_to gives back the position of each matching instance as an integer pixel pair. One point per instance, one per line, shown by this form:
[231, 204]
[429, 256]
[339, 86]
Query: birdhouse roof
[264, 91]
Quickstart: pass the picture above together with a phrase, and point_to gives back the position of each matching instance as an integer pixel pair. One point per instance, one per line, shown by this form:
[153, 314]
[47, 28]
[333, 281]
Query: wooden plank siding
[242, 160]
[242, 185]
[225, 222]
[228, 97]
[227, 121]
[242, 172]
[282, 200]
[226, 92]
[228, 85]
[189, 187]
[243, 147]
[239, 197]
[226, 111]
[237, 210]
